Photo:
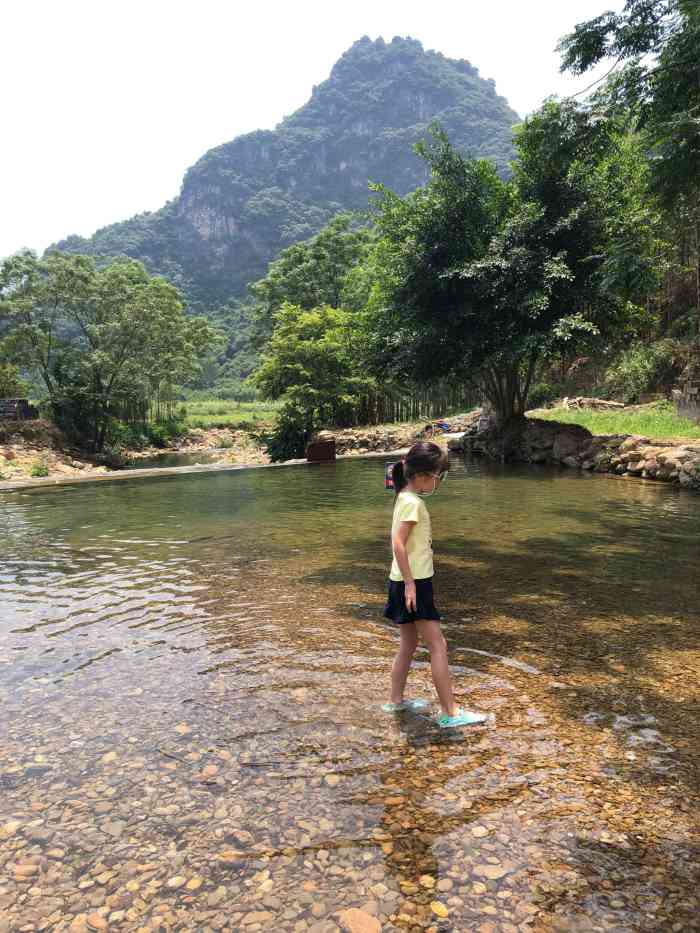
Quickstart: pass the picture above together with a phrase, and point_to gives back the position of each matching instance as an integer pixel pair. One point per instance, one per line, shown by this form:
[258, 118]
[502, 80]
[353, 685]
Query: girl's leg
[402, 661]
[432, 637]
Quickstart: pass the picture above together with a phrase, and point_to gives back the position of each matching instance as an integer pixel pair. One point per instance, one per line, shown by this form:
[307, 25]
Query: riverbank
[540, 440]
[38, 449]
[36, 453]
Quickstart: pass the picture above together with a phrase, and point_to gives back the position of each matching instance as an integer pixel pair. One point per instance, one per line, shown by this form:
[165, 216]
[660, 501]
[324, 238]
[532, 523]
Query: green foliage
[312, 273]
[221, 413]
[422, 319]
[105, 342]
[656, 420]
[293, 431]
[655, 43]
[491, 278]
[246, 200]
[311, 364]
[654, 87]
[11, 383]
[39, 468]
[541, 394]
[121, 436]
[644, 368]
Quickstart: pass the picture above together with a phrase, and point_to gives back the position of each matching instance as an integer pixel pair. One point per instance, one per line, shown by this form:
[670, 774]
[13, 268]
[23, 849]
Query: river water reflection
[191, 674]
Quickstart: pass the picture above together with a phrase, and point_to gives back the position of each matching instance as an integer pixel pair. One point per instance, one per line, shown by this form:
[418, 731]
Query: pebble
[257, 916]
[176, 882]
[439, 909]
[358, 921]
[97, 922]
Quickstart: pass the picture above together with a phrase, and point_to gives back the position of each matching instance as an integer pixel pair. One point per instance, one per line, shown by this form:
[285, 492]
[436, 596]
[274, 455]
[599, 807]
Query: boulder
[320, 451]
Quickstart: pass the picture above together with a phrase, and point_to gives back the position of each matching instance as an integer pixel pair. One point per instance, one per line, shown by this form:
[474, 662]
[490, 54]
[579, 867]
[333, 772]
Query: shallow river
[191, 677]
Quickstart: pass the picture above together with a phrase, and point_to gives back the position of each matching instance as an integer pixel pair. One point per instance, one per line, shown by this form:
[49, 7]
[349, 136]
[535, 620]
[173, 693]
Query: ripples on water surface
[191, 670]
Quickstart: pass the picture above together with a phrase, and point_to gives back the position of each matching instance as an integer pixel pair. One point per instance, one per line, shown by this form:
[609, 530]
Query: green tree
[312, 273]
[11, 383]
[106, 343]
[655, 82]
[422, 319]
[312, 364]
[485, 280]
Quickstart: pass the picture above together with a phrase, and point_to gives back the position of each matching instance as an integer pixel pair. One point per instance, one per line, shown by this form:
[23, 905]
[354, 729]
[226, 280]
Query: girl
[410, 603]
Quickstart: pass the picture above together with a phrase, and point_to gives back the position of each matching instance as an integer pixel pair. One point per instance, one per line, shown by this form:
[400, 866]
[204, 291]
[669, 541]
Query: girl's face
[425, 484]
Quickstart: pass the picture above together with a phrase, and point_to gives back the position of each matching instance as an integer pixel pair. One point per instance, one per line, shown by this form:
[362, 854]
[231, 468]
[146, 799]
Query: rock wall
[672, 460]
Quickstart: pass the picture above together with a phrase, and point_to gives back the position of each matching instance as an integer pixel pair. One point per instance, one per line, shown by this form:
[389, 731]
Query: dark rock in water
[320, 451]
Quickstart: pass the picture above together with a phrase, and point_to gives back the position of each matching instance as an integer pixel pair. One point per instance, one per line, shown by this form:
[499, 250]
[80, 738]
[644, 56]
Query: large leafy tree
[104, 342]
[422, 320]
[312, 363]
[485, 280]
[655, 82]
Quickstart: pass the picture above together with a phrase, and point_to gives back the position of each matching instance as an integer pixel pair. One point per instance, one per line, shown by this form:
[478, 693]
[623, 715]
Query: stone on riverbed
[357, 921]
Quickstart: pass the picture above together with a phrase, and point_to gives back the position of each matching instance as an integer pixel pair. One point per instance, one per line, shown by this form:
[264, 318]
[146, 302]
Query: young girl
[410, 603]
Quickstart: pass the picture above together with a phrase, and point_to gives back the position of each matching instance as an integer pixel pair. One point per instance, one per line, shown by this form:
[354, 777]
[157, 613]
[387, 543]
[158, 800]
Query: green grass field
[217, 413]
[656, 420]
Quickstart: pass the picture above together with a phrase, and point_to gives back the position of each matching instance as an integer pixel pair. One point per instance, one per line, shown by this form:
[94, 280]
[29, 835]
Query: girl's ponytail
[398, 476]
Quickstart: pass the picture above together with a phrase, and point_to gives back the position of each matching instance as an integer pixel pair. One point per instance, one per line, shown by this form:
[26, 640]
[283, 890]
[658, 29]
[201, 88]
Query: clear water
[191, 674]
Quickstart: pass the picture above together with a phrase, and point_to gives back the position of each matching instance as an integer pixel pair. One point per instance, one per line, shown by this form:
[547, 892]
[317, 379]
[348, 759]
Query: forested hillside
[244, 201]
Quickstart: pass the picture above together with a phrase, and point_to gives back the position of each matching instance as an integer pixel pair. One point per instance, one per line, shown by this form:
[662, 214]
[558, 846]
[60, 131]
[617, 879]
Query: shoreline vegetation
[229, 434]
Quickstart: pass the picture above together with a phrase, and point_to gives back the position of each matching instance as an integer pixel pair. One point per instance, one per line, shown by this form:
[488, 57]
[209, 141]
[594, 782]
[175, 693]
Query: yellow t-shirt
[409, 507]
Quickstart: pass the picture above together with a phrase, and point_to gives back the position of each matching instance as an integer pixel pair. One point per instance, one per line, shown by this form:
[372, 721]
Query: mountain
[245, 200]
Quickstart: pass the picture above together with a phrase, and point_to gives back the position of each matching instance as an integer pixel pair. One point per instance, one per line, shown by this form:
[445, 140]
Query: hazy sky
[105, 104]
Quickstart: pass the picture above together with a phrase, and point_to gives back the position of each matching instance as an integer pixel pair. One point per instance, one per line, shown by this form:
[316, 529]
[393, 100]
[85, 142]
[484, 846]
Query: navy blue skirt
[396, 610]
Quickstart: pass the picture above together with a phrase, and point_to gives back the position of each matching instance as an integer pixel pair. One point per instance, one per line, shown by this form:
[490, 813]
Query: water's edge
[151, 472]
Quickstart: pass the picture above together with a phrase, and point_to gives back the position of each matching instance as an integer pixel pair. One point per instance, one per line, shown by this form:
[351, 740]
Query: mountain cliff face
[245, 200]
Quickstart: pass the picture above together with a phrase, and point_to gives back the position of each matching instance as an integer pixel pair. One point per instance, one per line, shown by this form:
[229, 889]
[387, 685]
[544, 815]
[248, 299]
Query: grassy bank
[656, 420]
[216, 413]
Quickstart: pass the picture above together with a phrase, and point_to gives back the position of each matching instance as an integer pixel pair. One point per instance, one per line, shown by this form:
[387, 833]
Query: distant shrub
[291, 434]
[541, 393]
[11, 384]
[645, 367]
[39, 468]
[161, 433]
[149, 434]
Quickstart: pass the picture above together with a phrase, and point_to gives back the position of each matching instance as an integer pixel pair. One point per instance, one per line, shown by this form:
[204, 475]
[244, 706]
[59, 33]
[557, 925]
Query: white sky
[105, 104]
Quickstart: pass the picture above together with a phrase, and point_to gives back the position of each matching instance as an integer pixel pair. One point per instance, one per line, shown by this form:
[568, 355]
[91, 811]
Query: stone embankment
[386, 439]
[675, 460]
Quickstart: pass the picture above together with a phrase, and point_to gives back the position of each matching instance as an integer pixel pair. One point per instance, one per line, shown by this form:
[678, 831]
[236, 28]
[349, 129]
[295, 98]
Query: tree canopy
[105, 342]
[483, 278]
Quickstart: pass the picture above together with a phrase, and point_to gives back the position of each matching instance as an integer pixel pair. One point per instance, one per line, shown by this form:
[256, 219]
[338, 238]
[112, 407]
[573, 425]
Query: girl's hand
[411, 596]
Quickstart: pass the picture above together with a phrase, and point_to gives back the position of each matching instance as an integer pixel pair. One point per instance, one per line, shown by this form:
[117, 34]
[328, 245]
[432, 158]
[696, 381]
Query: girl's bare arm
[398, 542]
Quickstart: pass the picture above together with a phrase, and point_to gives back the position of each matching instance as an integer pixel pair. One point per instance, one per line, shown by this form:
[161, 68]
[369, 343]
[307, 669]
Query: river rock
[358, 921]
